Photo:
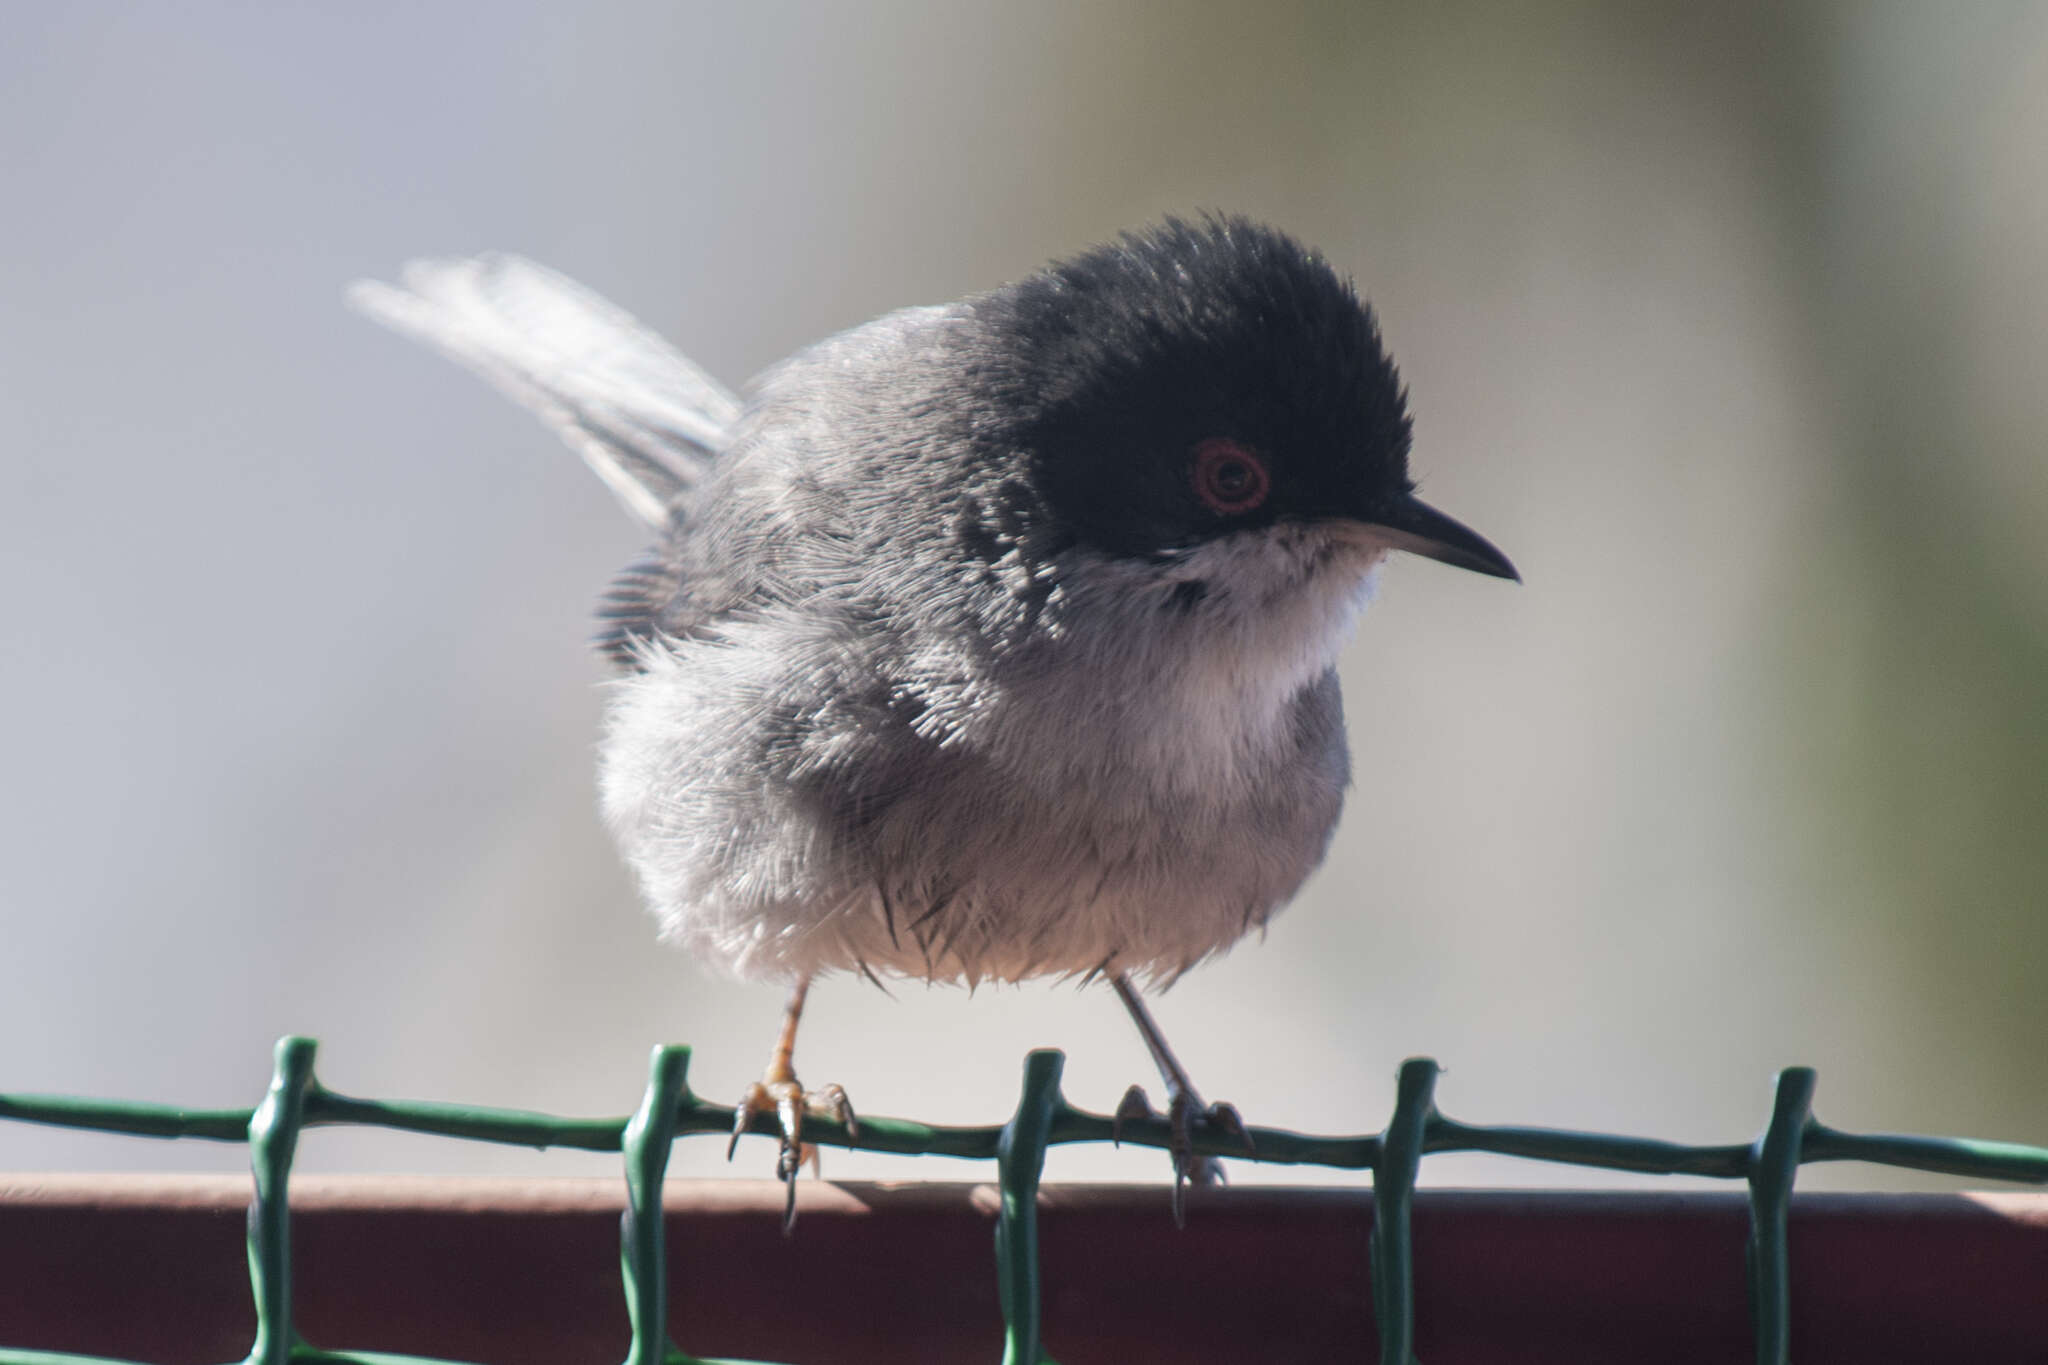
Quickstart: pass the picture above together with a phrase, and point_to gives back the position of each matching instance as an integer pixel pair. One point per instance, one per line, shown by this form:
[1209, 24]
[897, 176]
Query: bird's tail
[638, 412]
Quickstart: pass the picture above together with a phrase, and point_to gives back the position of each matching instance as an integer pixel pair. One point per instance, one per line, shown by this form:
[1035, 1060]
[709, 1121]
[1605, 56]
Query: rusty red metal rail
[152, 1268]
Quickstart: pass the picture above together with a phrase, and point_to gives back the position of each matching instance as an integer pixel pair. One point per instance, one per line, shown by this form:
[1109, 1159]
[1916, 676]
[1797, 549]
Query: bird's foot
[789, 1102]
[1184, 1112]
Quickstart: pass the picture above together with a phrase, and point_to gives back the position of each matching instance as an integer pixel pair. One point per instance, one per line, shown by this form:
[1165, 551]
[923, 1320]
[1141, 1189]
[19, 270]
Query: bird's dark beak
[1407, 523]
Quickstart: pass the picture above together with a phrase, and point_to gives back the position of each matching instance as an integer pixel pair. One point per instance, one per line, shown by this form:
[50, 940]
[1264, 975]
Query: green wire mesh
[668, 1110]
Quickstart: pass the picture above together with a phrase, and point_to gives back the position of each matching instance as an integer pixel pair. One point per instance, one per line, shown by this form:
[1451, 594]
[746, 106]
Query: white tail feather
[640, 414]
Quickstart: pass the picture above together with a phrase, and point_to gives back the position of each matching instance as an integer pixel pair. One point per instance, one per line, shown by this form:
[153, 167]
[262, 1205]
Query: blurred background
[1729, 323]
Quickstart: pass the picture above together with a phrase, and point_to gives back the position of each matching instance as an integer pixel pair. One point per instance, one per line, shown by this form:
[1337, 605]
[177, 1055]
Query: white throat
[1192, 665]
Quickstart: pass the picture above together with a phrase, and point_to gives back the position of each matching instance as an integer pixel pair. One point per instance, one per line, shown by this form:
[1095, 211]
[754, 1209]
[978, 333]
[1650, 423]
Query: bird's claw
[789, 1102]
[1184, 1110]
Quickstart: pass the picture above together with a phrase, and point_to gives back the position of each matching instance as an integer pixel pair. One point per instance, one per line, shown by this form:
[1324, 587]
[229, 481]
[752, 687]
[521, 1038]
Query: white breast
[1194, 699]
[1122, 786]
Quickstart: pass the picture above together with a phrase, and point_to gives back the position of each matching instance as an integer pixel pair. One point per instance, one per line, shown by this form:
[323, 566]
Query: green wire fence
[668, 1110]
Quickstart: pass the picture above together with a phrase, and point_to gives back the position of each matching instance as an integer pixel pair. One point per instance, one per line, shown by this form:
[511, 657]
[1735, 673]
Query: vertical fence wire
[649, 1137]
[273, 1146]
[1393, 1196]
[1774, 1164]
[1020, 1161]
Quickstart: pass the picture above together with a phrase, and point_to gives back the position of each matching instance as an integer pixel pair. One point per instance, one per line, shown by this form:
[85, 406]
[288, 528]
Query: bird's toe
[789, 1103]
[1185, 1117]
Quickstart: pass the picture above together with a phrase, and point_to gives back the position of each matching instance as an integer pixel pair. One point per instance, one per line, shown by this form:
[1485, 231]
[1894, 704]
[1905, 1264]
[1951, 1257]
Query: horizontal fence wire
[668, 1110]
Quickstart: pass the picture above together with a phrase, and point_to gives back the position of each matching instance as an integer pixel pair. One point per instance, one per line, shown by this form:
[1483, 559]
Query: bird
[983, 641]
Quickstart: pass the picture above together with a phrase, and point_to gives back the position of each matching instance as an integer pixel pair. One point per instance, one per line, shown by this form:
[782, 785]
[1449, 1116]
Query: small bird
[983, 641]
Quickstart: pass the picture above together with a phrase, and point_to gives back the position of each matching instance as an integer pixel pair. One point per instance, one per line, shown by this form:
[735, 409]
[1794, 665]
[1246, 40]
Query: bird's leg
[778, 1092]
[1184, 1107]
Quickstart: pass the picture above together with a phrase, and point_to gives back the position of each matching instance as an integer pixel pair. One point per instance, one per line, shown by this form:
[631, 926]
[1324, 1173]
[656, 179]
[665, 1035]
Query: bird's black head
[1194, 380]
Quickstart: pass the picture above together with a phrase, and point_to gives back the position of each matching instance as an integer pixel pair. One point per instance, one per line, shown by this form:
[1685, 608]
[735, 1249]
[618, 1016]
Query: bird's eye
[1228, 478]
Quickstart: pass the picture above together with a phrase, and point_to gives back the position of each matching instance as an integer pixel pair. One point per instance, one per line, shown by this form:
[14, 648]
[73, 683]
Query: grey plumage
[939, 667]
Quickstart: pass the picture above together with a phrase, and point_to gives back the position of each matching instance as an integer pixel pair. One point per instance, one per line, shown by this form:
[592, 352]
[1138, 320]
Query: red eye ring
[1228, 478]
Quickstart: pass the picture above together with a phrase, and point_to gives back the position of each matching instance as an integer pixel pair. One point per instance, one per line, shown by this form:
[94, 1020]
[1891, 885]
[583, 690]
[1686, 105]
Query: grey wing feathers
[630, 614]
[637, 411]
